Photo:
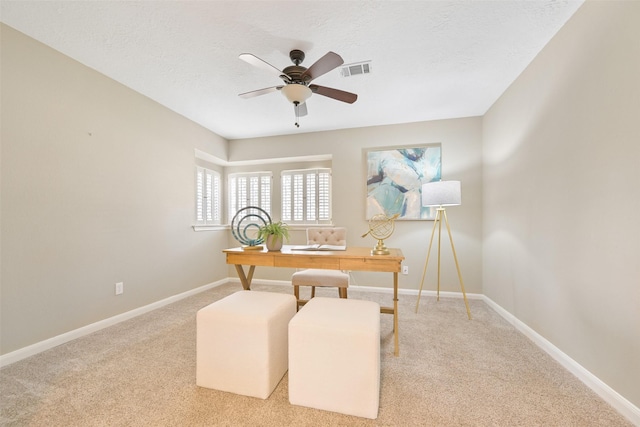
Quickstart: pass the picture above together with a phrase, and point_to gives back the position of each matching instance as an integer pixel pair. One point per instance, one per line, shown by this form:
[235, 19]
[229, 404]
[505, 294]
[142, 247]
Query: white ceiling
[430, 59]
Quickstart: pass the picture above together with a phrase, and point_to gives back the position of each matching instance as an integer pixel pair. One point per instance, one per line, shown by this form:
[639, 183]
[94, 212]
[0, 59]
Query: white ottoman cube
[334, 356]
[242, 342]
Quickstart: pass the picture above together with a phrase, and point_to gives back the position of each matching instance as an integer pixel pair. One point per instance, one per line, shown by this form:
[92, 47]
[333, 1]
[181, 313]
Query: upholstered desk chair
[334, 236]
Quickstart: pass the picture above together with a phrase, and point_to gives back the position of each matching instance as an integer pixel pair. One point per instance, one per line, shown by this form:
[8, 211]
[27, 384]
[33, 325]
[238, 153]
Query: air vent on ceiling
[355, 69]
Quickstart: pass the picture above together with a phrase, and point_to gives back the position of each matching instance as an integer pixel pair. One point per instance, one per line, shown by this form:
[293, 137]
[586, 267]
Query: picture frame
[394, 178]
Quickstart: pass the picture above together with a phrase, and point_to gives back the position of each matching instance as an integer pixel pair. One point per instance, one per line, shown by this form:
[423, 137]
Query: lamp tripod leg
[455, 258]
[440, 210]
[424, 271]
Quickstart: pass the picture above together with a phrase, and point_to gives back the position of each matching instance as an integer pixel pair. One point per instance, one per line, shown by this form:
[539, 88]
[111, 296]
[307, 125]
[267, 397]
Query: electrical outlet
[405, 269]
[119, 288]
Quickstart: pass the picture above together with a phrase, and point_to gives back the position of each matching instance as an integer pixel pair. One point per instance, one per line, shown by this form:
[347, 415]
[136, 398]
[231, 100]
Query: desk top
[353, 258]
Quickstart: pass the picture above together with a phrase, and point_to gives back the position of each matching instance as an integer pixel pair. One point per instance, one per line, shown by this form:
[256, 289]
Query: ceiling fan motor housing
[295, 71]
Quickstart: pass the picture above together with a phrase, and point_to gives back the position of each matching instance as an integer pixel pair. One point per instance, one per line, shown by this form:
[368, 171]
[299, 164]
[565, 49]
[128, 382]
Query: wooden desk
[354, 259]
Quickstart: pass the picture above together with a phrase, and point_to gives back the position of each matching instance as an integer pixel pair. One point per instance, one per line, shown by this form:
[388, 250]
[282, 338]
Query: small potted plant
[274, 234]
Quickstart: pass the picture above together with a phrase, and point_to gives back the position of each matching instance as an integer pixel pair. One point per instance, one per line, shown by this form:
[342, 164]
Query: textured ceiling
[429, 59]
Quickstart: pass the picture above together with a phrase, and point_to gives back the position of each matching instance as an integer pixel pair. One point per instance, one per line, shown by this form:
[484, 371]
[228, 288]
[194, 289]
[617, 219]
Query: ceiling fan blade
[340, 95]
[257, 62]
[302, 109]
[259, 92]
[322, 66]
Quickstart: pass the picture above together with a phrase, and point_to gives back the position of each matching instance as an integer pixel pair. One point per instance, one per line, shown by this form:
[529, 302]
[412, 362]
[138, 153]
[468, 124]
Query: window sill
[210, 227]
[305, 226]
[222, 227]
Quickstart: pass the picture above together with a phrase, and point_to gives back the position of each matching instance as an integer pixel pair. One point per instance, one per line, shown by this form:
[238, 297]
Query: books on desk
[319, 247]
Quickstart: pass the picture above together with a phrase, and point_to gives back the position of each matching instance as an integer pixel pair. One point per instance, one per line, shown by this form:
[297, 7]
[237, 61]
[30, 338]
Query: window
[306, 196]
[249, 189]
[208, 197]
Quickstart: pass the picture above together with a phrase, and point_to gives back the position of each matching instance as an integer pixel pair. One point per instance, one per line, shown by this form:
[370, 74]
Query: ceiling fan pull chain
[297, 106]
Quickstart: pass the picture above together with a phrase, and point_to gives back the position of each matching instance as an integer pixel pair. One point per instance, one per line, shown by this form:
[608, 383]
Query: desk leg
[395, 314]
[246, 281]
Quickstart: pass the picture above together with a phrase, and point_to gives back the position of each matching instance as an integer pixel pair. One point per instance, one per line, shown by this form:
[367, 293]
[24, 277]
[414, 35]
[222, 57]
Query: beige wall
[461, 159]
[562, 194]
[97, 188]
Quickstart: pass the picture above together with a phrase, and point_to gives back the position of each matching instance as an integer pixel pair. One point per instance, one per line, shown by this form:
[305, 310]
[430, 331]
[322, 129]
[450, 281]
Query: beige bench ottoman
[242, 342]
[334, 356]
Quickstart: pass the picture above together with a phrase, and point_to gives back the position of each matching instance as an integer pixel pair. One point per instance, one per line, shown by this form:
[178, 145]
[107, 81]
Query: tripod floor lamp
[441, 194]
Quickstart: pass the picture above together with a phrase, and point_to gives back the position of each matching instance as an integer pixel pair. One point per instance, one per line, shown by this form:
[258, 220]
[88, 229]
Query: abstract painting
[395, 177]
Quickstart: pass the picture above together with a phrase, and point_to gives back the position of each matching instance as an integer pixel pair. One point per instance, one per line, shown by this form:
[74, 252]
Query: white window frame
[208, 197]
[249, 189]
[306, 196]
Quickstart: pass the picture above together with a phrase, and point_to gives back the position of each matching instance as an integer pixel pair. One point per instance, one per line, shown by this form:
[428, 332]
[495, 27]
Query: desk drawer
[247, 258]
[303, 261]
[371, 264]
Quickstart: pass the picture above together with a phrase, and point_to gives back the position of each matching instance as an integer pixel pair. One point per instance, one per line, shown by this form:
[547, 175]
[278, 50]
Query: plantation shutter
[249, 189]
[306, 196]
[208, 196]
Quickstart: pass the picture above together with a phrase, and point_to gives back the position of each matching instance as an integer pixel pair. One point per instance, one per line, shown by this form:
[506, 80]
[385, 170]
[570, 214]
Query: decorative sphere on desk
[381, 227]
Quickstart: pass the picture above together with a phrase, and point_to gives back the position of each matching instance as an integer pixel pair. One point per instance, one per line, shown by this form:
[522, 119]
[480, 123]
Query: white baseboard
[369, 289]
[609, 395]
[23, 353]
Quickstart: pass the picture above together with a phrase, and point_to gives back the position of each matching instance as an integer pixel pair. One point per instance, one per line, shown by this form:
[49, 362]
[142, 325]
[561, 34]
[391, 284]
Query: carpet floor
[451, 372]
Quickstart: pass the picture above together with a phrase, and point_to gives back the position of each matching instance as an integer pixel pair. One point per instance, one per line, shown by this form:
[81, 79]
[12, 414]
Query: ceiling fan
[297, 88]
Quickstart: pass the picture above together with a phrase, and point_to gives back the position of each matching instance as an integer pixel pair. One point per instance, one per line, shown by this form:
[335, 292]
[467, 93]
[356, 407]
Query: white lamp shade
[441, 193]
[296, 92]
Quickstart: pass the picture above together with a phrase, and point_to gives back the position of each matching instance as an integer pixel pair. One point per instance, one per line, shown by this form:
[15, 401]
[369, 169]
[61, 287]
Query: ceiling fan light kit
[295, 92]
[297, 78]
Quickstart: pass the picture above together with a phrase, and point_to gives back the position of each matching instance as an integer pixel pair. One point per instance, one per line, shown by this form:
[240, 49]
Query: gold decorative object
[381, 227]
